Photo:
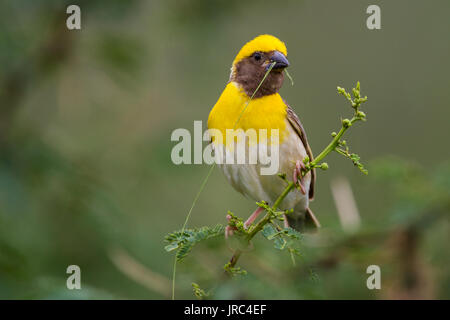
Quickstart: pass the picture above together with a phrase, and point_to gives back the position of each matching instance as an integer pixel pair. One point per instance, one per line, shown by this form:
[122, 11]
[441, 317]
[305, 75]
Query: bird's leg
[253, 217]
[285, 222]
[297, 177]
[229, 229]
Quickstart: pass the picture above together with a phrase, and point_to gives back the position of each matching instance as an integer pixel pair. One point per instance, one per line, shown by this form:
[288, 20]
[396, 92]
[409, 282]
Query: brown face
[251, 70]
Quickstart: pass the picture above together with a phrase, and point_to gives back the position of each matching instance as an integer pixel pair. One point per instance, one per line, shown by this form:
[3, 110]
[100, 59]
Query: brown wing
[297, 125]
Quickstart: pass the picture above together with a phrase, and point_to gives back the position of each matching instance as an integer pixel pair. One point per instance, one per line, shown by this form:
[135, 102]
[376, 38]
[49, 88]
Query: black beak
[280, 60]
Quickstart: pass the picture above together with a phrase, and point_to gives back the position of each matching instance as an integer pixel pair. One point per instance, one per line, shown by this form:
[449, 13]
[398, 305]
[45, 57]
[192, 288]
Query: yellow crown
[263, 43]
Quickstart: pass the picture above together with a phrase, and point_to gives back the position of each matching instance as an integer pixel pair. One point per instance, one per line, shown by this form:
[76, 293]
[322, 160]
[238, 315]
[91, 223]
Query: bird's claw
[285, 222]
[297, 177]
[229, 230]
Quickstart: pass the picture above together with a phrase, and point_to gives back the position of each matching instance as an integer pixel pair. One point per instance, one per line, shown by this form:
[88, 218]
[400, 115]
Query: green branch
[334, 145]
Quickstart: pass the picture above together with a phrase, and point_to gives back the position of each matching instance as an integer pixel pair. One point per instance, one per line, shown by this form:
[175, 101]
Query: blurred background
[86, 176]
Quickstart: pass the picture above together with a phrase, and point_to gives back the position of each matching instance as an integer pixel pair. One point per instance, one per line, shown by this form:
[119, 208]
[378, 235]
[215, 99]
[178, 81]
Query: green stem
[333, 144]
[260, 225]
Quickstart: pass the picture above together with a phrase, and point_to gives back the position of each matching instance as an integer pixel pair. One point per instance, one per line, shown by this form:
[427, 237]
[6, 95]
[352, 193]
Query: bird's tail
[304, 222]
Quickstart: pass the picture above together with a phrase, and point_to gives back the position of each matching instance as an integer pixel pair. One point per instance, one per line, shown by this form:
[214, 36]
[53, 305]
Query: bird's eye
[257, 56]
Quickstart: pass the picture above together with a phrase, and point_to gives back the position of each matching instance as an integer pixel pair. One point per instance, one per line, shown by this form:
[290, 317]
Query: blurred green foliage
[85, 170]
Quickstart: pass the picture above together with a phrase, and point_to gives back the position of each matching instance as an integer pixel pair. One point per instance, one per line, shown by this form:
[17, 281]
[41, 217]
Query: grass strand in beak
[289, 76]
[251, 98]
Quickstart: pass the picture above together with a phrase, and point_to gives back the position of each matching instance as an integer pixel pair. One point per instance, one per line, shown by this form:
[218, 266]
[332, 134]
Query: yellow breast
[267, 112]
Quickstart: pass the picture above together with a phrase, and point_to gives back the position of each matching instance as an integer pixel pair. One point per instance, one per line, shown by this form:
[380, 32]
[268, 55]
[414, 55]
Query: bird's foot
[229, 230]
[285, 222]
[253, 217]
[297, 176]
